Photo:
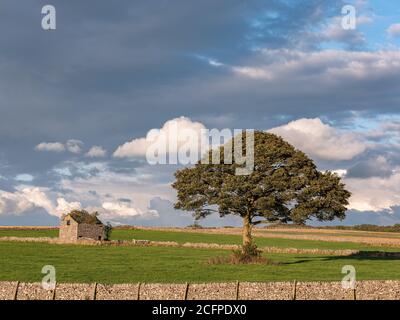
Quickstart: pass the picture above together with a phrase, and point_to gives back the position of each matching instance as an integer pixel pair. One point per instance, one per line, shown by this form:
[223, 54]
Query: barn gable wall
[68, 232]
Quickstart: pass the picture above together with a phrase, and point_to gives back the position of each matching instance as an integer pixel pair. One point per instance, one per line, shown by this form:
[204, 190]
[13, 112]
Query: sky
[77, 102]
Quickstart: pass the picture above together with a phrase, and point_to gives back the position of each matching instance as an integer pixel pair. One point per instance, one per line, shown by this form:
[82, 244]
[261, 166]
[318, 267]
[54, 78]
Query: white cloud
[25, 198]
[374, 194]
[13, 203]
[104, 191]
[37, 197]
[321, 140]
[252, 72]
[96, 152]
[74, 146]
[125, 209]
[178, 128]
[24, 177]
[334, 31]
[50, 146]
[325, 67]
[63, 206]
[394, 30]
[340, 172]
[215, 63]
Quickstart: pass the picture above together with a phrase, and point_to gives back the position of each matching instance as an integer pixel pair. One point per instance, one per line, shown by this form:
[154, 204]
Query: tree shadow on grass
[298, 261]
[362, 255]
[369, 255]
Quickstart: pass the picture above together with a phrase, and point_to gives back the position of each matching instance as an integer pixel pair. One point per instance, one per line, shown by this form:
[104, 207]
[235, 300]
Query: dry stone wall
[117, 291]
[365, 290]
[156, 291]
[7, 290]
[212, 291]
[378, 290]
[74, 291]
[322, 291]
[266, 290]
[33, 291]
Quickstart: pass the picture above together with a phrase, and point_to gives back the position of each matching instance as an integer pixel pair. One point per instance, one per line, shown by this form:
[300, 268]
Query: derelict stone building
[81, 225]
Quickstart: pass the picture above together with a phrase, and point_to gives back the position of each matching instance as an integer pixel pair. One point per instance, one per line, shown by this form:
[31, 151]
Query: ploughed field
[23, 261]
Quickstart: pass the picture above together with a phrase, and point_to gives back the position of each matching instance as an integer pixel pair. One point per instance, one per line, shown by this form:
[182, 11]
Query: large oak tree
[285, 186]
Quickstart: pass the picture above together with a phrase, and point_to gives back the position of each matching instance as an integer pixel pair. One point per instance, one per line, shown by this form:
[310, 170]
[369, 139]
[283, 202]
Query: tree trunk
[247, 239]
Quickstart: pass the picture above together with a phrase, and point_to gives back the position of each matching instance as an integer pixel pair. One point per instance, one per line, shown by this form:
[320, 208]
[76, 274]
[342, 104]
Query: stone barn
[81, 225]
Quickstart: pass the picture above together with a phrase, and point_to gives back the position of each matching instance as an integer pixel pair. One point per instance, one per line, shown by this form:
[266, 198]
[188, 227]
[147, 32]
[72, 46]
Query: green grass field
[28, 233]
[24, 261]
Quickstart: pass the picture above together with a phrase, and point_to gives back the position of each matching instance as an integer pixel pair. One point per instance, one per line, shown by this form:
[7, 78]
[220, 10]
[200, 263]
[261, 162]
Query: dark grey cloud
[97, 77]
[370, 168]
[36, 217]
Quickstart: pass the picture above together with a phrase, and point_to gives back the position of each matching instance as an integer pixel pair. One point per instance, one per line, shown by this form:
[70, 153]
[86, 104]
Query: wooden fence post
[294, 290]
[186, 291]
[94, 291]
[54, 292]
[138, 291]
[237, 290]
[16, 291]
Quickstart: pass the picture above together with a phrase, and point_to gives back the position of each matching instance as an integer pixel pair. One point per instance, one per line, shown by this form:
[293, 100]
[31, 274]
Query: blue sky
[77, 102]
[386, 13]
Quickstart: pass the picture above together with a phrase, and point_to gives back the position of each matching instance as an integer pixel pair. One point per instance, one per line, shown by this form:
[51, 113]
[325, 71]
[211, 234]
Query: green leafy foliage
[284, 187]
[107, 231]
[83, 216]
